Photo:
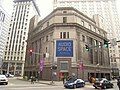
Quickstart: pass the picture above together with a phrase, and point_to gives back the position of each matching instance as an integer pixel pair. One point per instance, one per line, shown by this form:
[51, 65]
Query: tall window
[64, 35]
[82, 23]
[64, 66]
[90, 27]
[60, 34]
[48, 23]
[64, 19]
[67, 34]
[83, 38]
[94, 29]
[46, 38]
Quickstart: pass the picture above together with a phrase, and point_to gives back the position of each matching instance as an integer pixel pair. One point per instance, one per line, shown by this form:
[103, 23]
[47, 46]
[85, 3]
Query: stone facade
[60, 40]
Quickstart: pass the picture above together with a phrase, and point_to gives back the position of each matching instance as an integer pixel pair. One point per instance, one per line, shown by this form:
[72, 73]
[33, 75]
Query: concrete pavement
[54, 83]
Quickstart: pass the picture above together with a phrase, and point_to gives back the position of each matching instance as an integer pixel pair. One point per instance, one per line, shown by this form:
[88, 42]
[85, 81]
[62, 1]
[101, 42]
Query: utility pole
[52, 72]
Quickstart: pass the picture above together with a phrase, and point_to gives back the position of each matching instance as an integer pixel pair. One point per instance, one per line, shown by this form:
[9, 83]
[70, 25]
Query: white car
[3, 79]
[9, 75]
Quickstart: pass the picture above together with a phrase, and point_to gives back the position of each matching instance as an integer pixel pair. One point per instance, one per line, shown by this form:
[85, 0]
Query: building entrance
[65, 75]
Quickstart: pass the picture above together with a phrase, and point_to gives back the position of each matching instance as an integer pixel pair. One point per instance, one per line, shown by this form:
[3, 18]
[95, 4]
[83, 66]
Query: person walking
[118, 82]
[63, 79]
[32, 80]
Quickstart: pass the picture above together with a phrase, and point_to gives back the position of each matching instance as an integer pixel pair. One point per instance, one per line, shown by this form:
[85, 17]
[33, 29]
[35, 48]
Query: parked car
[102, 83]
[9, 75]
[74, 83]
[3, 79]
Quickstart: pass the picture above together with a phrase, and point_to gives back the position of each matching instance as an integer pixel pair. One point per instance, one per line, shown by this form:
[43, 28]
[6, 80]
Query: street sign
[113, 42]
[81, 66]
[47, 55]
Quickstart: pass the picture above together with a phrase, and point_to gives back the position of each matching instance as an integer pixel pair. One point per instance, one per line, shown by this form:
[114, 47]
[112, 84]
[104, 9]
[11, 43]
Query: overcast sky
[45, 6]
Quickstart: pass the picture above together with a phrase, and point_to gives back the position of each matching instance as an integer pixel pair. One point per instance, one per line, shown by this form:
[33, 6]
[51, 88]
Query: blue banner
[64, 48]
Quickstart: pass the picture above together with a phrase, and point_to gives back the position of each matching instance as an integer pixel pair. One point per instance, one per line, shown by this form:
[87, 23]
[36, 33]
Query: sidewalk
[55, 83]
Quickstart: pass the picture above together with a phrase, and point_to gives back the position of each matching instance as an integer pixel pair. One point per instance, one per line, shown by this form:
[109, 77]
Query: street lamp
[52, 70]
[111, 63]
[81, 69]
[98, 69]
[1, 66]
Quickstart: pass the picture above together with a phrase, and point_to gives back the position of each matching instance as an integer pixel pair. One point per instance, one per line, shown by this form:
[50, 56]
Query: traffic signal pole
[52, 72]
[96, 46]
[31, 52]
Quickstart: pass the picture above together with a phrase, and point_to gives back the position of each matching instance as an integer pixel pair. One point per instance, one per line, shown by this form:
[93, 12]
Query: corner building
[60, 39]
[108, 10]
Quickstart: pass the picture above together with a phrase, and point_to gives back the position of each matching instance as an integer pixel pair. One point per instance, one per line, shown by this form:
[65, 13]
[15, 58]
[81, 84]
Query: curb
[50, 83]
[40, 82]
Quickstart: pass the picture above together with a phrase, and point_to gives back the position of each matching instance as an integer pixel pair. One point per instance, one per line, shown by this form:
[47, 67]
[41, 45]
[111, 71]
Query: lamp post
[1, 67]
[82, 69]
[52, 71]
[77, 69]
[112, 66]
[98, 69]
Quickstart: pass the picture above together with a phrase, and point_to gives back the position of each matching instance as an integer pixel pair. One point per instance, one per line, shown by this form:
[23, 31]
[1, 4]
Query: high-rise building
[14, 57]
[108, 10]
[4, 26]
[1, 1]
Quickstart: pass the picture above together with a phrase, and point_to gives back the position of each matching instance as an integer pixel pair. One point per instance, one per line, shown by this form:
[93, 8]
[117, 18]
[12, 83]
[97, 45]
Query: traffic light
[54, 67]
[30, 51]
[105, 44]
[87, 47]
[44, 55]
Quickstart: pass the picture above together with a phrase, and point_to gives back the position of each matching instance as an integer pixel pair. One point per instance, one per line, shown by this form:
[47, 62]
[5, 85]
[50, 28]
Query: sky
[45, 6]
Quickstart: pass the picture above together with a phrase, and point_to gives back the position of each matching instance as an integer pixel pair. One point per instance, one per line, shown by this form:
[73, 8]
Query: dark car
[74, 83]
[102, 83]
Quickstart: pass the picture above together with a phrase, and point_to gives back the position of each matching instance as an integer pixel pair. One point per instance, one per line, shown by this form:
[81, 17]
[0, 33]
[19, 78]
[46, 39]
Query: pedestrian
[93, 80]
[32, 80]
[118, 82]
[63, 79]
[36, 77]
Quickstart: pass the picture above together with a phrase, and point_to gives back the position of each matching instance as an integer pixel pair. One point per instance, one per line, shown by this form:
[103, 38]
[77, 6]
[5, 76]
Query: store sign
[64, 48]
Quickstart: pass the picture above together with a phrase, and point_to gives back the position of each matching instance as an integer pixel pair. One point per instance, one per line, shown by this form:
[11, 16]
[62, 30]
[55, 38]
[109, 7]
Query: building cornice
[64, 25]
[65, 8]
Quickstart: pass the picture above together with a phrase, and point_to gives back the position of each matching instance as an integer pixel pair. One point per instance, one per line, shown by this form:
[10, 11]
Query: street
[15, 84]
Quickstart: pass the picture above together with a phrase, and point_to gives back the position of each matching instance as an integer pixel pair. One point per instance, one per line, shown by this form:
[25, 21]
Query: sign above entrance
[64, 48]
